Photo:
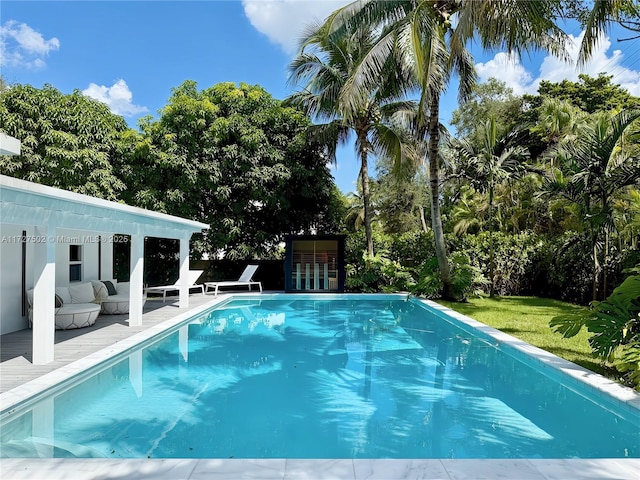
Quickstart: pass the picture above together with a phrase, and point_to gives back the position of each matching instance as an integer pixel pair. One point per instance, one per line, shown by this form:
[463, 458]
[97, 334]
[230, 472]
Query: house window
[75, 263]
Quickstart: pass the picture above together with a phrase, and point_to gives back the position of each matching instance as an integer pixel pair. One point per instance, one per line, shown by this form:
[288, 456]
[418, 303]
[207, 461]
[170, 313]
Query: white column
[136, 278]
[184, 273]
[44, 284]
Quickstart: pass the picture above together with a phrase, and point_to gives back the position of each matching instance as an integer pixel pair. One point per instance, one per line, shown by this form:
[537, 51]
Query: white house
[51, 237]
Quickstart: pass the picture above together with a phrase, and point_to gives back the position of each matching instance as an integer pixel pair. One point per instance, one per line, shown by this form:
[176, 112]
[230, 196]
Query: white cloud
[21, 45]
[118, 97]
[553, 69]
[283, 21]
[507, 69]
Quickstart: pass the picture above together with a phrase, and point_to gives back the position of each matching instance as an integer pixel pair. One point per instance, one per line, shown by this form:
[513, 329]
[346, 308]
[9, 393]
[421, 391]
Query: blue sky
[131, 54]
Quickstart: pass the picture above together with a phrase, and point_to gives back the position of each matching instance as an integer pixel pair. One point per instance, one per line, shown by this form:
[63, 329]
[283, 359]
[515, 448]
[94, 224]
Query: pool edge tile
[227, 469]
[319, 469]
[399, 469]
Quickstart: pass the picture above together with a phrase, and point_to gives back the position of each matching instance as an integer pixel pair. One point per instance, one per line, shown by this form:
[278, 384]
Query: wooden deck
[70, 345]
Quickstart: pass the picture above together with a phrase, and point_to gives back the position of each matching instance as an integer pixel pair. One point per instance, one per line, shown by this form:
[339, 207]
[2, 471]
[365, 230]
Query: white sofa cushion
[82, 293]
[119, 304]
[64, 294]
[100, 291]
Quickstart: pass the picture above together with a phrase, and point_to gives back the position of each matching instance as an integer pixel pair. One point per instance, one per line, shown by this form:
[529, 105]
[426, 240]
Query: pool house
[55, 238]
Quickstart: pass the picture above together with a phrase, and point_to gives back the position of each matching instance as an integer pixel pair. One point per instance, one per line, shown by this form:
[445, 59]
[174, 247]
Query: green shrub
[466, 279]
[412, 249]
[429, 282]
[377, 274]
[513, 259]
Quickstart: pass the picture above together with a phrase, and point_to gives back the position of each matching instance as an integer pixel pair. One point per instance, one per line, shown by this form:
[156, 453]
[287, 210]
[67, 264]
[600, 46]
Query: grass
[527, 318]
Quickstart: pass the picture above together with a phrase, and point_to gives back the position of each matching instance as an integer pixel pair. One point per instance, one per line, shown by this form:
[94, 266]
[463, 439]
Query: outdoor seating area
[76, 306]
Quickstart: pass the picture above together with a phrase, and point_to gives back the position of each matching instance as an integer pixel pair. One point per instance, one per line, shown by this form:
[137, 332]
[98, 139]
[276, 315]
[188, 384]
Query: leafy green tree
[325, 63]
[492, 99]
[590, 94]
[595, 167]
[235, 158]
[423, 34]
[67, 141]
[401, 198]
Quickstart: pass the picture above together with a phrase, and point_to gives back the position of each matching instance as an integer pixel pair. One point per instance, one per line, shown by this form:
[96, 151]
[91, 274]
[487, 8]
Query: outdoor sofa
[79, 304]
[114, 297]
[76, 306]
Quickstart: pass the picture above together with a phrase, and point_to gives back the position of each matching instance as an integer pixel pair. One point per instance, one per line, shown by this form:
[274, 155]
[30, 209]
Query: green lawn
[528, 319]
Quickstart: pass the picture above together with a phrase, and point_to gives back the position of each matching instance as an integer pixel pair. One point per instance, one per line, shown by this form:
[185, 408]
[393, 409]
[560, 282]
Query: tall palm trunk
[434, 190]
[492, 254]
[364, 177]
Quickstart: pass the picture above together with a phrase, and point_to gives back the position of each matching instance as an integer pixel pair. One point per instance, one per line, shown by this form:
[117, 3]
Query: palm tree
[324, 64]
[597, 166]
[497, 161]
[421, 32]
[603, 13]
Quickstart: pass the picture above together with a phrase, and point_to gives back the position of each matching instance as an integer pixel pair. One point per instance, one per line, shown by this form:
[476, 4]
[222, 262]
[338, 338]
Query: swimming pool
[298, 377]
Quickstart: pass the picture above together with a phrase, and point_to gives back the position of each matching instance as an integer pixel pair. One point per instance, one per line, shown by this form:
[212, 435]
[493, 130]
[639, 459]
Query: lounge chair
[245, 279]
[193, 277]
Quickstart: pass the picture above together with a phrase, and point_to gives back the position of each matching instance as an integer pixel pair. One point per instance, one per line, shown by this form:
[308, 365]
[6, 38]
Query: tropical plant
[596, 17]
[467, 279]
[614, 325]
[421, 32]
[378, 273]
[324, 64]
[596, 166]
[497, 161]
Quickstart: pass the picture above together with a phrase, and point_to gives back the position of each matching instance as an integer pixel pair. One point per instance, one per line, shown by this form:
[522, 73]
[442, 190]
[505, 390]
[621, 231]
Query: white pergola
[49, 209]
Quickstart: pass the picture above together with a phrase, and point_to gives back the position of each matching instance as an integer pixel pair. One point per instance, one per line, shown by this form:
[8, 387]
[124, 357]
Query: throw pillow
[82, 293]
[110, 288]
[59, 301]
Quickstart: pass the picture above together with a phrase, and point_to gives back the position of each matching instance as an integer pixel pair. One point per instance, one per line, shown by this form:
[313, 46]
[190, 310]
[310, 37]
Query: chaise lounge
[163, 289]
[245, 279]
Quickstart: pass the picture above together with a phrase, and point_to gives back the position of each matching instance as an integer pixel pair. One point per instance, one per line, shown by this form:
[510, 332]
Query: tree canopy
[236, 158]
[68, 141]
[231, 156]
[590, 94]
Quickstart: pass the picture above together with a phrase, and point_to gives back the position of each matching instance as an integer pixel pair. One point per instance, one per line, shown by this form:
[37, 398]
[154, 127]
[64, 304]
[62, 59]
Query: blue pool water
[295, 377]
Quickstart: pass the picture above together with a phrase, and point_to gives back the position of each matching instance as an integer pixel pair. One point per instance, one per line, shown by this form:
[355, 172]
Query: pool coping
[194, 469]
[626, 396]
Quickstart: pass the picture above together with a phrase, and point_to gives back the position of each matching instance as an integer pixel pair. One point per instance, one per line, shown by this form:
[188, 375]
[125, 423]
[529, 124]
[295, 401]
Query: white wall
[11, 277]
[11, 318]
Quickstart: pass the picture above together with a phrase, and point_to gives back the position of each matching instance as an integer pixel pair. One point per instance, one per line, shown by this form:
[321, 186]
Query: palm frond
[602, 13]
